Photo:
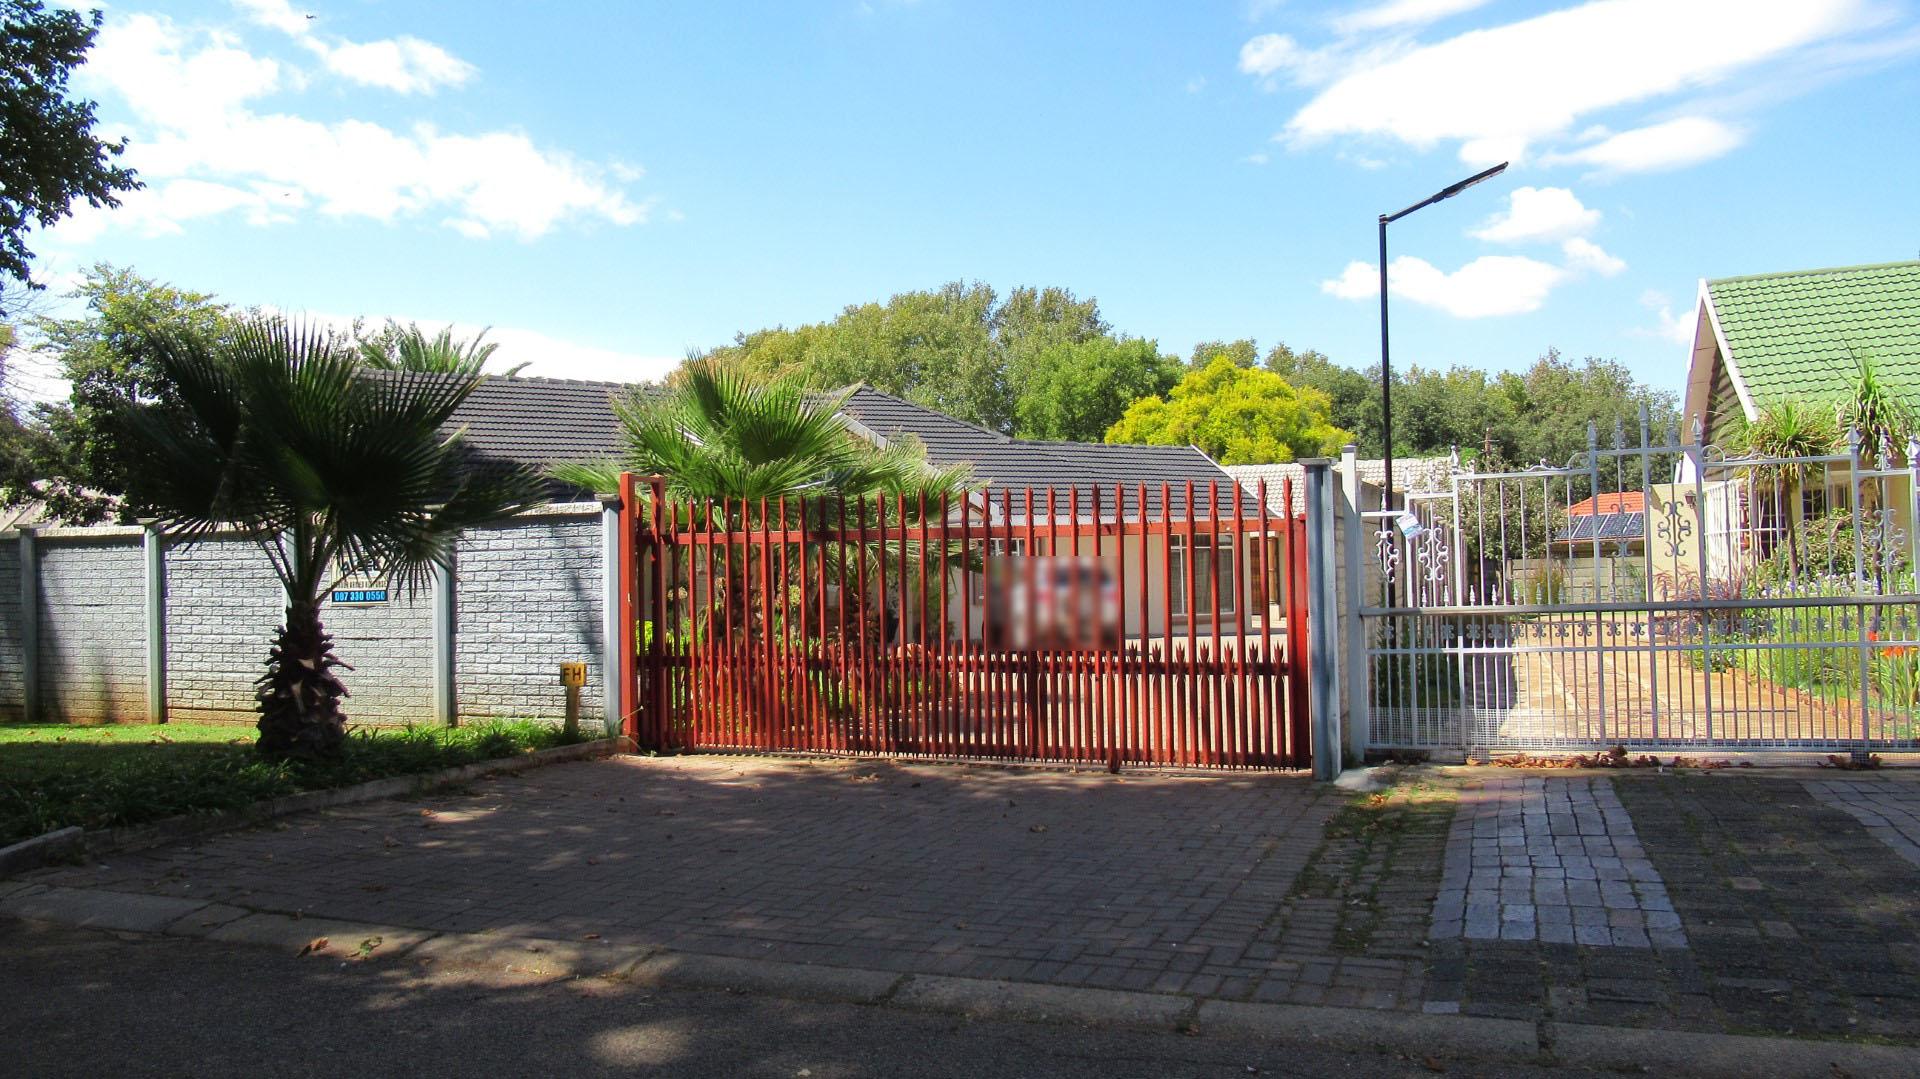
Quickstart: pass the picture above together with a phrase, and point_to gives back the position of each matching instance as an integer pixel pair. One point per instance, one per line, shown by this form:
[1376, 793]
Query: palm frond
[282, 432]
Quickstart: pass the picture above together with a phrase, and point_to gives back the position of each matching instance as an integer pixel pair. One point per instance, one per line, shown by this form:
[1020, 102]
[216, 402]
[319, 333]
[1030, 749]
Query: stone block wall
[93, 627]
[527, 596]
[13, 687]
[223, 603]
[390, 648]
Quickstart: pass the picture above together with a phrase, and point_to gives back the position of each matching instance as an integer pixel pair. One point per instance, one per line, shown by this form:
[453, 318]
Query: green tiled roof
[1796, 334]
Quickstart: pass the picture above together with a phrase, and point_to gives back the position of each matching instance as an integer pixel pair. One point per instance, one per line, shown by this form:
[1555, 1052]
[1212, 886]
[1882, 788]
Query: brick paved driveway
[1166, 883]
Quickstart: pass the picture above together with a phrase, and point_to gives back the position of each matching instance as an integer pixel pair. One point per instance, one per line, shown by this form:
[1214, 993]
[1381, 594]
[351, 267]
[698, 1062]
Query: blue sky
[612, 185]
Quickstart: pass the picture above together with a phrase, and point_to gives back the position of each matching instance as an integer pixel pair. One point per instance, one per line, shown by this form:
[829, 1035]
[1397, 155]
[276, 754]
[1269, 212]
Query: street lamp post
[1386, 366]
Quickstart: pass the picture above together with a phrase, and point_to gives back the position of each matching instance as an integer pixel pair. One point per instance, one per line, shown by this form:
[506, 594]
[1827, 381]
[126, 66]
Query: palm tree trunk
[300, 695]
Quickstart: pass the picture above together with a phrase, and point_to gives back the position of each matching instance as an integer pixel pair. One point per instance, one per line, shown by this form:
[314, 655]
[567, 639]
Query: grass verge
[56, 775]
[1379, 842]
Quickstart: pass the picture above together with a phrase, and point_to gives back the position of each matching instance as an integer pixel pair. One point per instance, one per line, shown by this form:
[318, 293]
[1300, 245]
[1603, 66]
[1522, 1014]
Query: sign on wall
[359, 589]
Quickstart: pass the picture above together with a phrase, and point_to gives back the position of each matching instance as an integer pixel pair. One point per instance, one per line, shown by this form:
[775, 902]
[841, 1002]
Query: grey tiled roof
[1002, 463]
[540, 421]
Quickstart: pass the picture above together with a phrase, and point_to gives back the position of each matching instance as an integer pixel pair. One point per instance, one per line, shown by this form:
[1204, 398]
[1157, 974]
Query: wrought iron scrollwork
[1673, 527]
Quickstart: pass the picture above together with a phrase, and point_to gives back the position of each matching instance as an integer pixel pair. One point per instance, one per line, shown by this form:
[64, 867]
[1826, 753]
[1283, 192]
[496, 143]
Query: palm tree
[1882, 417]
[282, 436]
[726, 440]
[410, 349]
[721, 433]
[1789, 428]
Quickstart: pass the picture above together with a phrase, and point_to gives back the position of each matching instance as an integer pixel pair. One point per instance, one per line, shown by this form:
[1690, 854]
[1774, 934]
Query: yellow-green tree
[1237, 415]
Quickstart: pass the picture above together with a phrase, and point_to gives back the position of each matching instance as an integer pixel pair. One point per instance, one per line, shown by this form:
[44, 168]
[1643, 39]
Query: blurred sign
[1051, 602]
[573, 674]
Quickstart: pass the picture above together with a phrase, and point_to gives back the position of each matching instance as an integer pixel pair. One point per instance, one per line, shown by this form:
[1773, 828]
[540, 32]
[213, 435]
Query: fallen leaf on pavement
[314, 946]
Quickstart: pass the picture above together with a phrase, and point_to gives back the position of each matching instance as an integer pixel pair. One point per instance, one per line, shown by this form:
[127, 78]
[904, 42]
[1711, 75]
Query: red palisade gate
[1112, 625]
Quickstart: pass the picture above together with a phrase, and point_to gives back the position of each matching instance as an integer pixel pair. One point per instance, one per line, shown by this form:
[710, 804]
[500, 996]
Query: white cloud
[1669, 325]
[1269, 53]
[552, 357]
[1504, 89]
[164, 208]
[1256, 159]
[1398, 13]
[404, 64]
[1674, 144]
[141, 57]
[1535, 214]
[1584, 254]
[206, 148]
[545, 355]
[1269, 56]
[1488, 286]
[275, 14]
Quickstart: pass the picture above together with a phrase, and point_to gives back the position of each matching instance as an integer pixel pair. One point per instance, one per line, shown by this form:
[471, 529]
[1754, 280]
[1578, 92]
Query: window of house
[1212, 570]
[1813, 501]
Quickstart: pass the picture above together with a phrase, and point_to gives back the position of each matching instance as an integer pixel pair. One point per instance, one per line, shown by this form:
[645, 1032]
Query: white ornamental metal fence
[1656, 593]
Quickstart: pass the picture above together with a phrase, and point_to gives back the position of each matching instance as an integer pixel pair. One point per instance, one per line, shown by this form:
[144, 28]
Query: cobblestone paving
[1889, 810]
[1551, 859]
[1795, 919]
[1798, 920]
[1173, 884]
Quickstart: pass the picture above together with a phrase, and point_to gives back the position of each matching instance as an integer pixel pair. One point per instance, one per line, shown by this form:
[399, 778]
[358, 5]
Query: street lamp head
[1471, 180]
[1446, 192]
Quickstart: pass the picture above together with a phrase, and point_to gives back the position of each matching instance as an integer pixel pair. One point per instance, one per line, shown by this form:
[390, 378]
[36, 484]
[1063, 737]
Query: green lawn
[55, 775]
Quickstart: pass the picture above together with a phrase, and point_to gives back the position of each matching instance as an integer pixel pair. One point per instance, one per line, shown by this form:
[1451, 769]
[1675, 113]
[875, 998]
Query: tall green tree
[1031, 321]
[276, 432]
[1354, 396]
[110, 354]
[1434, 411]
[1237, 415]
[49, 155]
[1242, 353]
[961, 348]
[1075, 390]
[1554, 400]
[1523, 417]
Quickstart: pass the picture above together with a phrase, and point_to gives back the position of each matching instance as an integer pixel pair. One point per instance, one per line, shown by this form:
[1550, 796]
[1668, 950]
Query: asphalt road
[85, 1003]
